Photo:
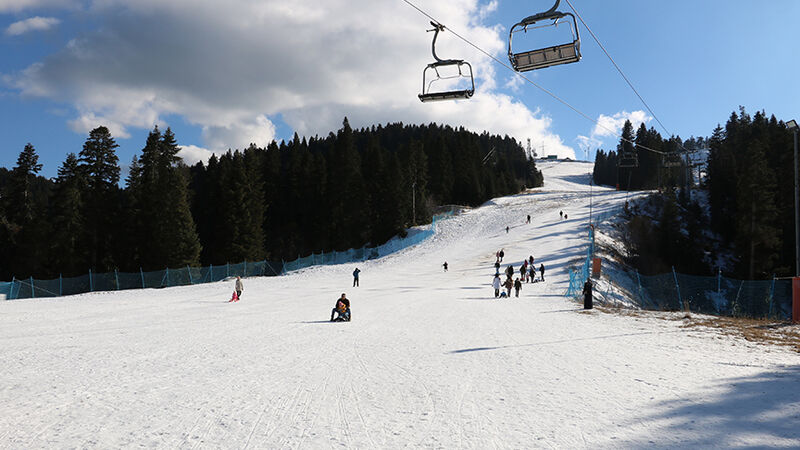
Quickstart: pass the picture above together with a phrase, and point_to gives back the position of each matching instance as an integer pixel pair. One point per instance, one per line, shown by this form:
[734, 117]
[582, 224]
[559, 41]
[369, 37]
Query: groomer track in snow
[431, 359]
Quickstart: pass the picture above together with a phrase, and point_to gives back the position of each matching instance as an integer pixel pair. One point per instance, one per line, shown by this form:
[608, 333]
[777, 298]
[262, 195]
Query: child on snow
[342, 310]
[239, 288]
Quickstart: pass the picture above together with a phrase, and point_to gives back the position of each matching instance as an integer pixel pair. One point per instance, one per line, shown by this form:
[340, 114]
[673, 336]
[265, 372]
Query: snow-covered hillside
[430, 360]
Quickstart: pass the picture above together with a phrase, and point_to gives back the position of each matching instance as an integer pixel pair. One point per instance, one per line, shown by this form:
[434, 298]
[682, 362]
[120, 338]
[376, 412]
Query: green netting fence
[182, 276]
[716, 295]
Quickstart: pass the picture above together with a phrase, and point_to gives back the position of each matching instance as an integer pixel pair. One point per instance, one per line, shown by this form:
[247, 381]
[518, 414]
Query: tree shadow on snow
[750, 412]
[561, 341]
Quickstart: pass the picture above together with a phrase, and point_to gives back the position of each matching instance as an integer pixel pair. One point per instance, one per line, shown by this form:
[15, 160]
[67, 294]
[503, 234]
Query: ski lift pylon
[540, 58]
[433, 70]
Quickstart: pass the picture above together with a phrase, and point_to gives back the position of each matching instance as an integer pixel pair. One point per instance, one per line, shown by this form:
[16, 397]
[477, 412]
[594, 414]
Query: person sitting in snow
[342, 310]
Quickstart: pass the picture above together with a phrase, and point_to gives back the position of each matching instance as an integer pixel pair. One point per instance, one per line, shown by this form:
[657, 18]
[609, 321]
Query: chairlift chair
[540, 58]
[432, 69]
[671, 160]
[628, 160]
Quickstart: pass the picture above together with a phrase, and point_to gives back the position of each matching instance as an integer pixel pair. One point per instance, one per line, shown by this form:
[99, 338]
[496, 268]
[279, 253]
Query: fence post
[189, 270]
[771, 295]
[639, 282]
[116, 277]
[227, 269]
[13, 282]
[60, 286]
[678, 289]
[719, 282]
[245, 269]
[33, 293]
[91, 285]
[166, 274]
[141, 272]
[210, 273]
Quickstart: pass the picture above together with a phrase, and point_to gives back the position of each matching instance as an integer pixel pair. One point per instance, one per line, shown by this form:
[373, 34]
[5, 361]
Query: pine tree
[98, 162]
[68, 255]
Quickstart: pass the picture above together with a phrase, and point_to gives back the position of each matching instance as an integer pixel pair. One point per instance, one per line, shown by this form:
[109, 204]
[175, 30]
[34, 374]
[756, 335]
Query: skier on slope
[355, 277]
[342, 310]
[541, 271]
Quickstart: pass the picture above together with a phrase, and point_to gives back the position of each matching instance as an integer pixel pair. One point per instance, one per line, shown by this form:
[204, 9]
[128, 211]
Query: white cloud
[228, 67]
[609, 126]
[7, 6]
[192, 154]
[31, 24]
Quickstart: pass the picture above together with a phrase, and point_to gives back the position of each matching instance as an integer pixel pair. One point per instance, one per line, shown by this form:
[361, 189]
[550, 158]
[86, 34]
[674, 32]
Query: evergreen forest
[745, 223]
[346, 190]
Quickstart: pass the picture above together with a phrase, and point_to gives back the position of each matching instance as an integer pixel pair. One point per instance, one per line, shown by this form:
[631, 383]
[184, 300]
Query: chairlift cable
[554, 96]
[617, 67]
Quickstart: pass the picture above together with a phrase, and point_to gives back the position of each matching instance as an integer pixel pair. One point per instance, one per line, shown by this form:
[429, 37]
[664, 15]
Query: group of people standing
[527, 273]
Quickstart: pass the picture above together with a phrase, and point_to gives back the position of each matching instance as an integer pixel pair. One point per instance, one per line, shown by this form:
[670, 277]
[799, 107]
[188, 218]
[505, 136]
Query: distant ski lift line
[521, 75]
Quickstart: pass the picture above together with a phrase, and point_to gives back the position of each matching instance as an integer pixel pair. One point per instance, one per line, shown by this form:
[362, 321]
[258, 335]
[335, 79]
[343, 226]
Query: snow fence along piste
[115, 281]
[719, 296]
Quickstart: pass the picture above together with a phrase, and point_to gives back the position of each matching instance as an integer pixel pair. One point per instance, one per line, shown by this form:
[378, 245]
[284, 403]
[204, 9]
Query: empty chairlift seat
[436, 74]
[545, 56]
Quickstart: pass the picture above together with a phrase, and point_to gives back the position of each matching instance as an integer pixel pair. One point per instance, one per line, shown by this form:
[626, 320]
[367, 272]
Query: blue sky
[223, 74]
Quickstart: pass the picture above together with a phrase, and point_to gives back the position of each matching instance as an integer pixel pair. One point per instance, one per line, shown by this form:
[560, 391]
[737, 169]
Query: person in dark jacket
[517, 287]
[532, 274]
[510, 271]
[501, 255]
[587, 294]
[541, 271]
[342, 310]
[508, 285]
[497, 267]
[355, 277]
[445, 266]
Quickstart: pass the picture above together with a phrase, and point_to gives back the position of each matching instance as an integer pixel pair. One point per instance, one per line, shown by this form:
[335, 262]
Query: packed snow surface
[431, 359]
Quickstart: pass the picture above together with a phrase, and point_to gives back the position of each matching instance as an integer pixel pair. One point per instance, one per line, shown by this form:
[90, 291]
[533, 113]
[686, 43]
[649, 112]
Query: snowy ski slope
[431, 360]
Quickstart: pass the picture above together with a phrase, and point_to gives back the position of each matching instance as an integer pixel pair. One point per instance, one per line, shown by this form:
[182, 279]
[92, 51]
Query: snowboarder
[501, 254]
[508, 285]
[445, 266]
[496, 285]
[541, 271]
[239, 288]
[517, 287]
[355, 277]
[342, 309]
[587, 295]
